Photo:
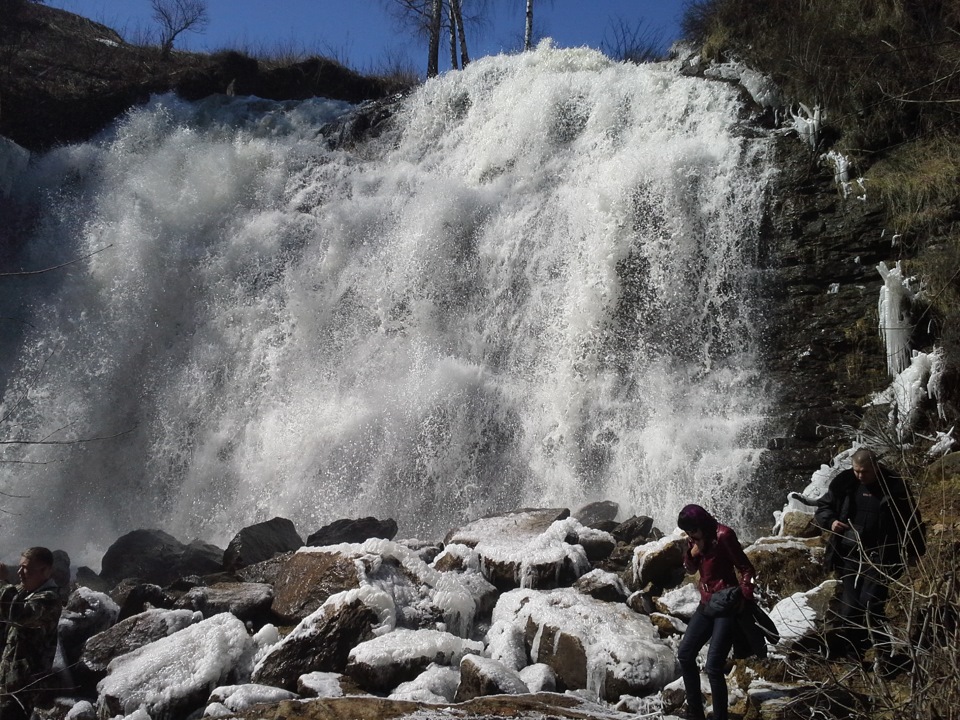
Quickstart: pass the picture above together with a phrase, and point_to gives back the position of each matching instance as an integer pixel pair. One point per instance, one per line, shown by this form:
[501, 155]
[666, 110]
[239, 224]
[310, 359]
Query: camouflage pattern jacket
[28, 635]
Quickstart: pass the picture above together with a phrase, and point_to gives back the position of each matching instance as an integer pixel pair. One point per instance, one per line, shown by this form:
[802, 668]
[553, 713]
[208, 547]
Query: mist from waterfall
[534, 289]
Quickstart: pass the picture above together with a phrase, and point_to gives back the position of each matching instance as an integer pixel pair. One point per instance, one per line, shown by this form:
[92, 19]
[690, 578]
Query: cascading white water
[535, 290]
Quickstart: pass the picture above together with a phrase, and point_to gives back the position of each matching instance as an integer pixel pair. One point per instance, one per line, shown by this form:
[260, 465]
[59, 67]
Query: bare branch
[25, 273]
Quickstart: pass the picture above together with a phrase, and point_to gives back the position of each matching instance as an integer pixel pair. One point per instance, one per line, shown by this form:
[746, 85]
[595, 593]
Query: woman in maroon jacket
[713, 551]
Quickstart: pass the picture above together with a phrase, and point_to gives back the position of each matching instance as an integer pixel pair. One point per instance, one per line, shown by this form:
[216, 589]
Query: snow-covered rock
[485, 676]
[528, 548]
[323, 640]
[248, 601]
[231, 699]
[605, 648]
[602, 585]
[660, 561]
[380, 664]
[802, 614]
[133, 633]
[175, 675]
[437, 684]
[680, 602]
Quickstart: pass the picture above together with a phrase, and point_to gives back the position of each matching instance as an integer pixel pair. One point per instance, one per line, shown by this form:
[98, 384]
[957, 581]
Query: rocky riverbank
[539, 612]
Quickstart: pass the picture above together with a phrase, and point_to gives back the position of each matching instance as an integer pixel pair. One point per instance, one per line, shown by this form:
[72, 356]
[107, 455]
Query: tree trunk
[453, 37]
[433, 56]
[528, 32]
[458, 15]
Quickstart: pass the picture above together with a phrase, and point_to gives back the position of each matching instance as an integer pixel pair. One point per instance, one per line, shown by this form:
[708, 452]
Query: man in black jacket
[875, 530]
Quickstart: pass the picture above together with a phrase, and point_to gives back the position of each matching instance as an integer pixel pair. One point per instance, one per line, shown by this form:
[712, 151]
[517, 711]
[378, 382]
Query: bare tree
[433, 53]
[632, 42]
[429, 18]
[528, 27]
[177, 16]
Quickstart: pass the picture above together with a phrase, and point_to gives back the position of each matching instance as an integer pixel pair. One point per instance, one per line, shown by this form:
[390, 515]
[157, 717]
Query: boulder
[659, 562]
[322, 641]
[795, 523]
[505, 644]
[485, 676]
[528, 548]
[787, 565]
[437, 684]
[248, 601]
[680, 602]
[89, 578]
[61, 572]
[304, 580]
[130, 634]
[233, 699]
[634, 530]
[200, 558]
[600, 647]
[802, 615]
[152, 556]
[539, 677]
[353, 531]
[326, 684]
[597, 512]
[174, 676]
[86, 613]
[380, 664]
[134, 597]
[260, 542]
[602, 585]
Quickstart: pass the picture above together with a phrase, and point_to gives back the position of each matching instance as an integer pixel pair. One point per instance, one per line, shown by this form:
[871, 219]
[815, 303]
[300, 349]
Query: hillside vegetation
[886, 75]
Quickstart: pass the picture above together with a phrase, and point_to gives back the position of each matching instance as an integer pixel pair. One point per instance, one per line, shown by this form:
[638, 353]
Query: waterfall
[533, 289]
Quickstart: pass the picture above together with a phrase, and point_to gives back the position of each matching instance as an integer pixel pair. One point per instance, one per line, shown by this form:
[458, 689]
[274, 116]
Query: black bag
[724, 603]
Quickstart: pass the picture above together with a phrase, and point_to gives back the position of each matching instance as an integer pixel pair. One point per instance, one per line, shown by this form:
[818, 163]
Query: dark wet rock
[248, 601]
[260, 542]
[321, 643]
[353, 531]
[483, 676]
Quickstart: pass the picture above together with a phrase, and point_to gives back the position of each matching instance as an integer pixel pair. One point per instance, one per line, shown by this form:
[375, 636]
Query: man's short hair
[864, 456]
[40, 554]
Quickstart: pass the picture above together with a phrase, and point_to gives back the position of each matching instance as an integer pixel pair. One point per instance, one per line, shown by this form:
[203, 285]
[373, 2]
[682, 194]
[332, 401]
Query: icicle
[895, 328]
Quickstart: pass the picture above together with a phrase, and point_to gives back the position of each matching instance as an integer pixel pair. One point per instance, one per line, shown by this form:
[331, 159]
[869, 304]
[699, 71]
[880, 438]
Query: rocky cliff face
[824, 351]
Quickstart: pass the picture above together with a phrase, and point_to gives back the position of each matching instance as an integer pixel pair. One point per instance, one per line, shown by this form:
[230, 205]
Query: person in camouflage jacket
[29, 614]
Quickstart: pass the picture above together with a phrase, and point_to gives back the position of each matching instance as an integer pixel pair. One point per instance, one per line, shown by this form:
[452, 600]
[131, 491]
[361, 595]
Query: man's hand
[839, 527]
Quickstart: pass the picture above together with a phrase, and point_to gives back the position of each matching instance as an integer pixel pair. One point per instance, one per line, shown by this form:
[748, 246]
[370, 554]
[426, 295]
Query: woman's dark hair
[694, 517]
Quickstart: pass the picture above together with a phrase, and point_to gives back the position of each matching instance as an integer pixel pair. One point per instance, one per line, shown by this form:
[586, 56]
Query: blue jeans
[718, 631]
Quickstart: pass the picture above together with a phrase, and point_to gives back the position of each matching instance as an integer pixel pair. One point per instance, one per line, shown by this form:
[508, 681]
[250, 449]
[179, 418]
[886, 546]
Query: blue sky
[363, 34]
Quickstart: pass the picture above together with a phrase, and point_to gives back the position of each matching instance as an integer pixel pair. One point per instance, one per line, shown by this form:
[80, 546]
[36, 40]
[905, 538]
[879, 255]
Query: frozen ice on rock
[680, 602]
[437, 684]
[174, 675]
[81, 711]
[505, 644]
[658, 559]
[801, 613]
[455, 600]
[481, 676]
[527, 548]
[381, 664]
[404, 644]
[907, 392]
[237, 698]
[539, 677]
[320, 684]
[604, 648]
[457, 556]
